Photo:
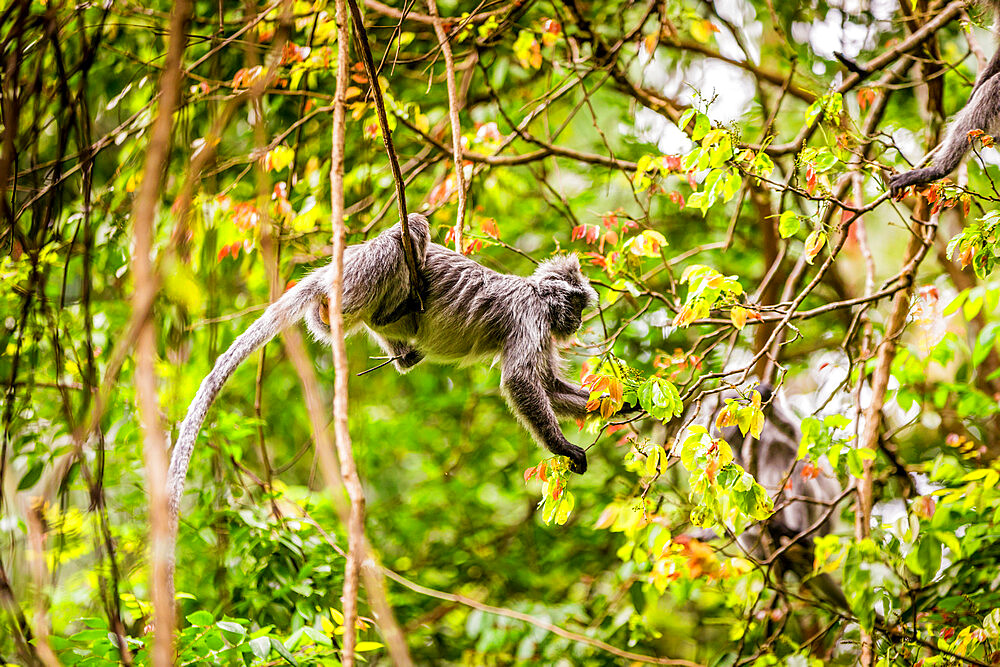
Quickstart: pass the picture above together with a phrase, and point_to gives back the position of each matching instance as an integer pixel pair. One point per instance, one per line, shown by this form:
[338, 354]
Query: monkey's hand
[576, 455]
[627, 409]
[899, 182]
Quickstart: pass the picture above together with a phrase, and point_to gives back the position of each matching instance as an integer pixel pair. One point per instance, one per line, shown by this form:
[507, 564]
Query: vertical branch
[370, 570]
[39, 575]
[921, 238]
[270, 249]
[456, 128]
[146, 285]
[342, 436]
[383, 122]
[884, 354]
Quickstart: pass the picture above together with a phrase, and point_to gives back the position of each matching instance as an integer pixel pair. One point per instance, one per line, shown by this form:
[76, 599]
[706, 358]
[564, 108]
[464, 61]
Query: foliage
[719, 169]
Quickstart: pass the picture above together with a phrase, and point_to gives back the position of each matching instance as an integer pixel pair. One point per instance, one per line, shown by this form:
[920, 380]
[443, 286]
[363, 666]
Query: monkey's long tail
[283, 312]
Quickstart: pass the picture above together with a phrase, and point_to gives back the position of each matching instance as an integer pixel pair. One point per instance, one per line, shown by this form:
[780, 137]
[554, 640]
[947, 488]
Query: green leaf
[991, 624]
[234, 632]
[788, 224]
[701, 127]
[660, 398]
[283, 652]
[261, 647]
[686, 118]
[201, 618]
[31, 477]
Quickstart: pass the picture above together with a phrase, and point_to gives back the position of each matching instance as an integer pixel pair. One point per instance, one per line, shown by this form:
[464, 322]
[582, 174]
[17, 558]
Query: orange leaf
[607, 518]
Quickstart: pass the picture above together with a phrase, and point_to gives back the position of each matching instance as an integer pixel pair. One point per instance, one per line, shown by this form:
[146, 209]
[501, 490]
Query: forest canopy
[792, 377]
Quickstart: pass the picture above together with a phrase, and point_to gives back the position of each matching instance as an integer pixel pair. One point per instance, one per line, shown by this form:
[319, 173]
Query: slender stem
[383, 121]
[454, 105]
[342, 436]
[146, 284]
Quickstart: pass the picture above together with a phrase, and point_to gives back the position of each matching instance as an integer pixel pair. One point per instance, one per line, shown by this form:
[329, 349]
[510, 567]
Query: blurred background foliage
[650, 137]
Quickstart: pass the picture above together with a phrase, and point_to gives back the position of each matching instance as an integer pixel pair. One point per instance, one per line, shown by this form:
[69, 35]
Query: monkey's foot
[409, 360]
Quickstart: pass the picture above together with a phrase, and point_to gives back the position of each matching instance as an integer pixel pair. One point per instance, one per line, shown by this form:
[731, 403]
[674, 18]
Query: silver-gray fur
[471, 313]
[775, 464]
[981, 112]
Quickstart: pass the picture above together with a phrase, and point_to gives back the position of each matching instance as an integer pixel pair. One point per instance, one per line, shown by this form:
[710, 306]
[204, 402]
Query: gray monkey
[981, 112]
[776, 463]
[471, 313]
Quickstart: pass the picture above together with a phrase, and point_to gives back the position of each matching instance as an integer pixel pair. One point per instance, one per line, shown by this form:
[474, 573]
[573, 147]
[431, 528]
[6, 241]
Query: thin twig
[383, 121]
[456, 128]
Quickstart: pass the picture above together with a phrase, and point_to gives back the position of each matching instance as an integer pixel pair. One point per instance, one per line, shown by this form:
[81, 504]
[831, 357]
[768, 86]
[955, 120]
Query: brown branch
[394, 13]
[885, 352]
[146, 286]
[538, 623]
[606, 58]
[456, 127]
[854, 78]
[342, 436]
[759, 72]
[383, 121]
[39, 575]
[359, 556]
[547, 150]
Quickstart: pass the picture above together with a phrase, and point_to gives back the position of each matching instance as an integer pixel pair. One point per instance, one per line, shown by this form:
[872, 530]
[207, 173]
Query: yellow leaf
[684, 318]
[814, 244]
[738, 315]
[607, 517]
[565, 507]
[726, 417]
[278, 158]
[327, 626]
[702, 31]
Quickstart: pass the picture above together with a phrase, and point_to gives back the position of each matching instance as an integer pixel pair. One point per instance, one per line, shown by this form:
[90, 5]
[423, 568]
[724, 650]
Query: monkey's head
[566, 293]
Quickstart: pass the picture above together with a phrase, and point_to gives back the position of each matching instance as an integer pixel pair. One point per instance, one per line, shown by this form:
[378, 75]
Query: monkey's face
[566, 303]
[566, 293]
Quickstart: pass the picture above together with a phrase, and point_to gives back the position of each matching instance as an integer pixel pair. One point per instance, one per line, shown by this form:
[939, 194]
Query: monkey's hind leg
[403, 355]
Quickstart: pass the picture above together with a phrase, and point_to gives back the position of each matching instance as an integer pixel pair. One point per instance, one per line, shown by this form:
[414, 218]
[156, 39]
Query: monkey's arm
[981, 112]
[522, 383]
[569, 401]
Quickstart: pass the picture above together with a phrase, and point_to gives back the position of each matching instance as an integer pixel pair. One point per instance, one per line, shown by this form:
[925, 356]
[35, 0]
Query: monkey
[981, 112]
[775, 463]
[471, 313]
